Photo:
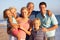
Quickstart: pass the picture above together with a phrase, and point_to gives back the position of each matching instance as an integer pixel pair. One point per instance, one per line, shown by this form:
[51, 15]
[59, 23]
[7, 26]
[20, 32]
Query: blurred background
[53, 5]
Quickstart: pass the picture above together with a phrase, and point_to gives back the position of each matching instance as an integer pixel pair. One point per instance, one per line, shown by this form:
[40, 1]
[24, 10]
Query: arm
[49, 13]
[54, 24]
[30, 29]
[26, 31]
[13, 25]
[53, 27]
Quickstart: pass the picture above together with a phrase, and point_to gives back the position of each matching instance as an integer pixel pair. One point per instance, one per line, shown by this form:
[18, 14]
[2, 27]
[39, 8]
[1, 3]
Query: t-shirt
[38, 35]
[48, 22]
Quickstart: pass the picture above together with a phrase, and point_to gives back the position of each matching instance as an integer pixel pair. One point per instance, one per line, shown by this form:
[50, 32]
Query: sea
[2, 21]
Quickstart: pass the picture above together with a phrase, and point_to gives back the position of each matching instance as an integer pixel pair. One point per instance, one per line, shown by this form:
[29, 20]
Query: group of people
[39, 25]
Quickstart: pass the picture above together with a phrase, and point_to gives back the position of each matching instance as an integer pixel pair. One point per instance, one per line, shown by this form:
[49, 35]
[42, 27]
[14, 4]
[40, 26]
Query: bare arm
[50, 29]
[11, 22]
[26, 31]
[53, 27]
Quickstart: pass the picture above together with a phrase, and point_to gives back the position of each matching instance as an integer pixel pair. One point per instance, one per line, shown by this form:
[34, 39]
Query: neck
[44, 12]
[29, 13]
[25, 17]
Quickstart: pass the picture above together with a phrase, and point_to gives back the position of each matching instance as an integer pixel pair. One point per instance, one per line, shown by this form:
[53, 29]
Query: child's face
[13, 10]
[24, 13]
[8, 13]
[36, 24]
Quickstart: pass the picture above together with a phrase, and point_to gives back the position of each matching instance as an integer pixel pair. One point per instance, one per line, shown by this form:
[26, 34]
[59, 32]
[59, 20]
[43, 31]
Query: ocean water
[2, 21]
[57, 31]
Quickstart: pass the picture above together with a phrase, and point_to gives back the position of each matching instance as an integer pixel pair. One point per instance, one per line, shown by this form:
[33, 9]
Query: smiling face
[24, 12]
[8, 13]
[13, 11]
[36, 23]
[30, 7]
[42, 8]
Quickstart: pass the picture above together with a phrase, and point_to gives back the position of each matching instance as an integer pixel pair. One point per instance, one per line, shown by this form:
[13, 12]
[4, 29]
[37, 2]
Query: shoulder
[18, 18]
[34, 12]
[52, 16]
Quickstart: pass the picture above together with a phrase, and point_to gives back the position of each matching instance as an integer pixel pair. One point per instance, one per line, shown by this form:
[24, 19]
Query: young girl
[37, 33]
[22, 22]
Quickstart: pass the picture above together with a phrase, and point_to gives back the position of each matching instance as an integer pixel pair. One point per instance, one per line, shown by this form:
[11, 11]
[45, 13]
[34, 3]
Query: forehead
[30, 4]
[36, 21]
[24, 10]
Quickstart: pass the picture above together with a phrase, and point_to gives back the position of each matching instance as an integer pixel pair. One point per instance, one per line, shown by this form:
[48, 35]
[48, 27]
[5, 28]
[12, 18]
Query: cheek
[26, 13]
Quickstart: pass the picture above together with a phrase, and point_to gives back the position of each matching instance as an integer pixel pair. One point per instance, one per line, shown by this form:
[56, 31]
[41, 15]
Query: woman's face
[8, 13]
[24, 13]
[30, 7]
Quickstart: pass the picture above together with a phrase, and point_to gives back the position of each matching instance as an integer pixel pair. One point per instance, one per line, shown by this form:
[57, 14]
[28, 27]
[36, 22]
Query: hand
[45, 29]
[49, 13]
[22, 28]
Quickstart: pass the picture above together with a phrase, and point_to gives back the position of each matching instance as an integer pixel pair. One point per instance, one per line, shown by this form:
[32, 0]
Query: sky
[53, 5]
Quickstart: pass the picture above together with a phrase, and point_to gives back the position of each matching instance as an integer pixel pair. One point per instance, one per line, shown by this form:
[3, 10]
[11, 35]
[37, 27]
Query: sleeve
[54, 20]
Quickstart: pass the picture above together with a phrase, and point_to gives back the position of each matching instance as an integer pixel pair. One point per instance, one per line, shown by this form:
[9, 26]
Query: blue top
[48, 22]
[33, 15]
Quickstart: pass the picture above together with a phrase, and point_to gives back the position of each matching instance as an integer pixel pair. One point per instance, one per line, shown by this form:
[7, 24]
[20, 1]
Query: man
[49, 23]
[32, 13]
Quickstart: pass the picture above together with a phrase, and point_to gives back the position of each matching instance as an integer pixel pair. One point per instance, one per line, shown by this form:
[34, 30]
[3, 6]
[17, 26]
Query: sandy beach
[5, 36]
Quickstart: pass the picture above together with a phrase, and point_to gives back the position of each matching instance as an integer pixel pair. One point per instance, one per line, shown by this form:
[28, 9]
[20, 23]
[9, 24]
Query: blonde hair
[12, 8]
[37, 19]
[23, 8]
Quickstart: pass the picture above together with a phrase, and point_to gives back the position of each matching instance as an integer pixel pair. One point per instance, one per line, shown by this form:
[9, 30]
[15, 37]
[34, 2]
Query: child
[24, 22]
[37, 33]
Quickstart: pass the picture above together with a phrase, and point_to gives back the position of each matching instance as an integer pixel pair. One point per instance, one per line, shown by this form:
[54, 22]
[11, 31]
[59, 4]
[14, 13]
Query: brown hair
[4, 14]
[23, 8]
[48, 11]
[30, 3]
[42, 3]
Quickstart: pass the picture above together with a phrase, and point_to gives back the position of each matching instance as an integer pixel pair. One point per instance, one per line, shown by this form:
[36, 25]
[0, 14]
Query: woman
[24, 22]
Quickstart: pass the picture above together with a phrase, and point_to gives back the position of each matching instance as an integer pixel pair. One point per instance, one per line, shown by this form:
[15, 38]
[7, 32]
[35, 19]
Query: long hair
[4, 14]
[23, 8]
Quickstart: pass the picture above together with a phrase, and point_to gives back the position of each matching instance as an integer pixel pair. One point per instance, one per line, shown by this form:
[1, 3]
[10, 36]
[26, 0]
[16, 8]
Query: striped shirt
[38, 35]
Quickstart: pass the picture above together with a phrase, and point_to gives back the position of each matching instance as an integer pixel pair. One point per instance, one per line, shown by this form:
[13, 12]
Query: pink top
[24, 25]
